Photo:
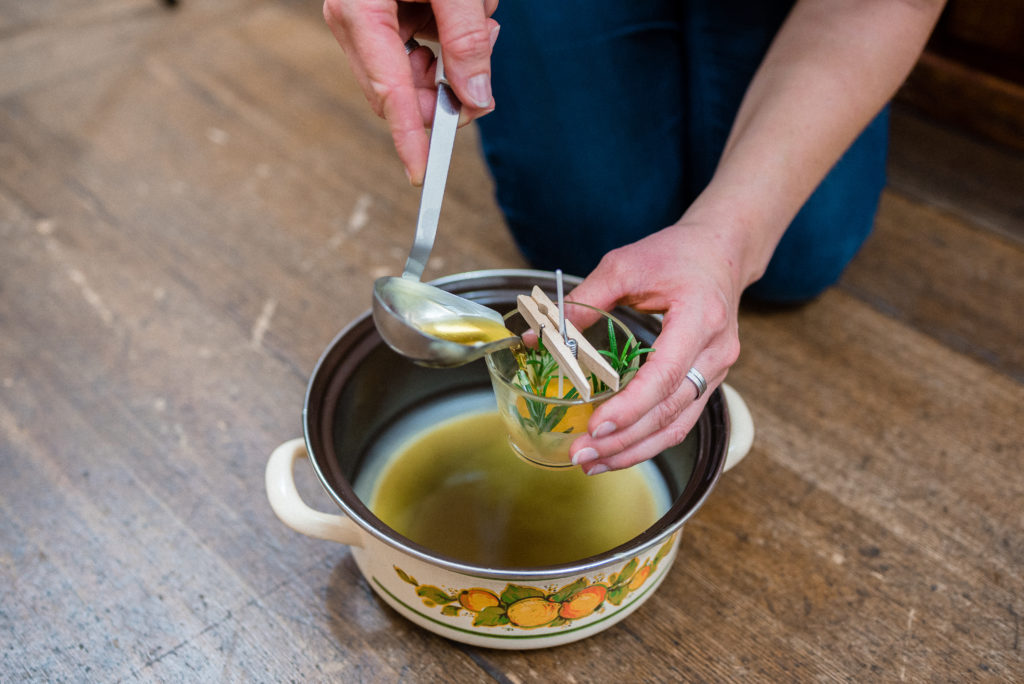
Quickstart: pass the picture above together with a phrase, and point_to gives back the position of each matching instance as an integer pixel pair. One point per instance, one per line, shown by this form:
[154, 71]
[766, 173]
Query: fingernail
[494, 35]
[479, 88]
[584, 455]
[604, 429]
[598, 469]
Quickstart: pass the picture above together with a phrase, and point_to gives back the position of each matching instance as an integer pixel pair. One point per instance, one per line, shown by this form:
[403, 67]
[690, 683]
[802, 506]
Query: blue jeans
[612, 115]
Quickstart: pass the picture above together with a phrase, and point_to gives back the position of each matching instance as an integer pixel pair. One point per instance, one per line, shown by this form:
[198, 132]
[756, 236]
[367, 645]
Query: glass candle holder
[541, 409]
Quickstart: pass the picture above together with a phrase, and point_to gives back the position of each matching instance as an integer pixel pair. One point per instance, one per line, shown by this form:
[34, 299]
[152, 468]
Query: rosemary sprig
[540, 369]
[621, 362]
[535, 376]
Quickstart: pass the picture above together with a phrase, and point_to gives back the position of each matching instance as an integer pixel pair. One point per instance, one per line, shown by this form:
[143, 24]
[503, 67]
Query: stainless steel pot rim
[512, 273]
[502, 273]
[680, 511]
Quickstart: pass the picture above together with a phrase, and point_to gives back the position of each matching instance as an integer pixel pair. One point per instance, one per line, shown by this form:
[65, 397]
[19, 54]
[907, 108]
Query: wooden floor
[194, 202]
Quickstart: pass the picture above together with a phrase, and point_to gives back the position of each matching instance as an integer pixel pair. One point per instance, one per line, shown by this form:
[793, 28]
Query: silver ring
[411, 45]
[694, 376]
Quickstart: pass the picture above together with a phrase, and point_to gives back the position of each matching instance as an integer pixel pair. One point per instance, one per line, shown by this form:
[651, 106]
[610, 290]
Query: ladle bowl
[405, 308]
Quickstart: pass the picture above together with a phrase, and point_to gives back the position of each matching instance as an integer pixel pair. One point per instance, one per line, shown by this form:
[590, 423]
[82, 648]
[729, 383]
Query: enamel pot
[361, 390]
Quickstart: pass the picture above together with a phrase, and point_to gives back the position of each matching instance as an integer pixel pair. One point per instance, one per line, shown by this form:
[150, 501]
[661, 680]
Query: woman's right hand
[400, 87]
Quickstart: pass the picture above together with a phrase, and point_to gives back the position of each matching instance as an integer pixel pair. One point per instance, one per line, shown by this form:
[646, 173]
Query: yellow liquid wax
[458, 489]
[470, 330]
[467, 330]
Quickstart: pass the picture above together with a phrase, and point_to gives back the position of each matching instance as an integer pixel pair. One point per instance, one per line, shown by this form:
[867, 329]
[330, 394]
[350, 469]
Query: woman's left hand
[687, 272]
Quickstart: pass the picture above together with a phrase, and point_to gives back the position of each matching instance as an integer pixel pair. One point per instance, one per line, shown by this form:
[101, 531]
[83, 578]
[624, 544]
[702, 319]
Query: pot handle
[292, 510]
[741, 431]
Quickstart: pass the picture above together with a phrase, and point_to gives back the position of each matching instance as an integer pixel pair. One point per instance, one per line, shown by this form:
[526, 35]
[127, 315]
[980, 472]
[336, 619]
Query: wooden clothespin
[547, 329]
[587, 355]
[545, 319]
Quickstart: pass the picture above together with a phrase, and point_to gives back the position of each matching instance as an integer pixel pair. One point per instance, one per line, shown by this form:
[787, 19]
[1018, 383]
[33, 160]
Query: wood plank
[967, 98]
[919, 449]
[985, 34]
[961, 284]
[977, 181]
[45, 42]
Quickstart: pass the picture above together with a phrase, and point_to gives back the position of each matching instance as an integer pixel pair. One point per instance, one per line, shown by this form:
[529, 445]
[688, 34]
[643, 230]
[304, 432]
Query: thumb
[466, 35]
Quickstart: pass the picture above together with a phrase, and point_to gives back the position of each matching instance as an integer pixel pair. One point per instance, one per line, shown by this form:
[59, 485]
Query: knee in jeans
[806, 263]
[794, 287]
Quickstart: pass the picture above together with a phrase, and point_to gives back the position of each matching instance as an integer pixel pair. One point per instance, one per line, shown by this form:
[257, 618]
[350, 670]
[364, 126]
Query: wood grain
[976, 181]
[193, 203]
[968, 98]
[959, 284]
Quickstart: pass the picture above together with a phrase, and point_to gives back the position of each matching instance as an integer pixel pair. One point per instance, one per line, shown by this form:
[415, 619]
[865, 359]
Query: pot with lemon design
[358, 391]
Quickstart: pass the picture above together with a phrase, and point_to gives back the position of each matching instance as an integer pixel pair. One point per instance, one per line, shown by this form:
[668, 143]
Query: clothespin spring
[569, 342]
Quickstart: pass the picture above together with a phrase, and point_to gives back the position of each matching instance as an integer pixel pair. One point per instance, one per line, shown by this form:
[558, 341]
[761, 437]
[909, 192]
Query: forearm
[831, 68]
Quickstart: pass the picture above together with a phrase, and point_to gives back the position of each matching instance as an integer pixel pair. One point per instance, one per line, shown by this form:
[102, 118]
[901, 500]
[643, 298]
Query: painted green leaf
[515, 593]
[638, 352]
[405, 577]
[627, 572]
[558, 622]
[491, 616]
[568, 590]
[434, 594]
[663, 551]
[616, 594]
[451, 611]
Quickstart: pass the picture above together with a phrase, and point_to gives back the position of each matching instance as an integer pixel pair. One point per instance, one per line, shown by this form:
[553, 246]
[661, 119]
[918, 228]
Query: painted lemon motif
[575, 419]
[583, 602]
[640, 577]
[532, 612]
[475, 600]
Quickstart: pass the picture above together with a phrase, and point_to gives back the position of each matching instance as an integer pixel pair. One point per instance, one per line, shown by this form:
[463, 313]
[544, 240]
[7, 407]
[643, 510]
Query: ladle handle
[439, 155]
[292, 510]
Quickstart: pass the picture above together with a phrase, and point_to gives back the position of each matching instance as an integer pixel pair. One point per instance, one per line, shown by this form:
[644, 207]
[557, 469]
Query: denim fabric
[611, 116]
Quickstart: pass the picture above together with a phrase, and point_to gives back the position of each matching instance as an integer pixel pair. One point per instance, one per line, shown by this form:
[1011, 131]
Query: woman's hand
[400, 87]
[687, 272]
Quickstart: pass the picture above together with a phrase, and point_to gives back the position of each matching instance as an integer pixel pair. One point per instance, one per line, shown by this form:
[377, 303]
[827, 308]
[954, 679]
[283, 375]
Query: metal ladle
[404, 307]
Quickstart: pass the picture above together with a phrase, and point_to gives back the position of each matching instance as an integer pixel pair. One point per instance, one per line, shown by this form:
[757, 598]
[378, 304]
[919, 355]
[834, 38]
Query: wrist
[743, 237]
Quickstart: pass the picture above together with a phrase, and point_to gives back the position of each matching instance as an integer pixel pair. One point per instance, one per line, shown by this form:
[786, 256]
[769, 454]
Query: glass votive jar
[542, 410]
